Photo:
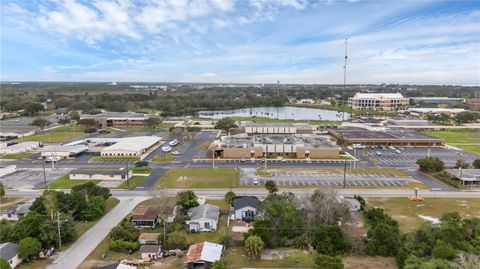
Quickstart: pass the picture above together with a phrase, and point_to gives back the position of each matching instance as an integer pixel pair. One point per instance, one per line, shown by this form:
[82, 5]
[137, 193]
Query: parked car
[166, 149]
[176, 153]
[398, 151]
[173, 143]
[379, 153]
[255, 181]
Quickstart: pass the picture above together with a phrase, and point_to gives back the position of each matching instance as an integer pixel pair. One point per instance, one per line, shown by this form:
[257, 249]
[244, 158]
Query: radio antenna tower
[344, 80]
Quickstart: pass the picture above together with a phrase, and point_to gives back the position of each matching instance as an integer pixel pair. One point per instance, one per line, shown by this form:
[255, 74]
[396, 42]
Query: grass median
[186, 178]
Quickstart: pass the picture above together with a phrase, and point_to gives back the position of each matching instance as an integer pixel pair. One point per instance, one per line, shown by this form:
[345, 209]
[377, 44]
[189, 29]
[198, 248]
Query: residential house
[203, 218]
[16, 212]
[9, 252]
[145, 217]
[202, 255]
[150, 252]
[63, 111]
[148, 238]
[246, 208]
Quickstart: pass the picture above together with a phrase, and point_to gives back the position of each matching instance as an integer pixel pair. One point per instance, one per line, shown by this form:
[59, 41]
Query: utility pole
[59, 232]
[344, 80]
[126, 165]
[265, 160]
[213, 158]
[344, 174]
[44, 174]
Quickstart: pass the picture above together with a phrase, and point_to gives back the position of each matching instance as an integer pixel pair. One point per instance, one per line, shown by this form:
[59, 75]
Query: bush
[327, 262]
[90, 130]
[229, 197]
[4, 264]
[328, 240]
[476, 164]
[383, 239]
[121, 245]
[29, 247]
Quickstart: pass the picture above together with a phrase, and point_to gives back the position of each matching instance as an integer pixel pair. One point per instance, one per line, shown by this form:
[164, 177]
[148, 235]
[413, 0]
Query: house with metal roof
[203, 218]
[16, 212]
[202, 255]
[9, 252]
[246, 208]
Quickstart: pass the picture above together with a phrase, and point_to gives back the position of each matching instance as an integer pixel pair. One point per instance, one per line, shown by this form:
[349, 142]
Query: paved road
[79, 251]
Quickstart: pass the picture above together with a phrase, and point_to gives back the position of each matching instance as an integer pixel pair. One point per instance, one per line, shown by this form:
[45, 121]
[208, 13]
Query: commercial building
[437, 100]
[473, 103]
[295, 146]
[63, 151]
[378, 101]
[388, 137]
[429, 110]
[118, 119]
[129, 146]
[100, 174]
[251, 128]
[18, 148]
[469, 177]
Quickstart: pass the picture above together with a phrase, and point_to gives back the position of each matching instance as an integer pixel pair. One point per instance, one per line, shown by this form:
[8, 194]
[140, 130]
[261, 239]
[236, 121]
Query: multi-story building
[378, 101]
[118, 119]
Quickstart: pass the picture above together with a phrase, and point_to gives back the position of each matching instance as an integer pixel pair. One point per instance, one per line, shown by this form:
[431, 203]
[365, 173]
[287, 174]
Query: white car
[166, 149]
[173, 143]
[176, 153]
[255, 181]
[52, 159]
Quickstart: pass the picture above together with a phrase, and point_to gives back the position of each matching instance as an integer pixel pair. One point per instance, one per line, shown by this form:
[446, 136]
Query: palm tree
[254, 246]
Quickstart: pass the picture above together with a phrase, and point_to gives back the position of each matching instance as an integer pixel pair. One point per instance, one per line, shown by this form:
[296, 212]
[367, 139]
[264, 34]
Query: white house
[16, 212]
[246, 208]
[9, 252]
[152, 252]
[203, 218]
[100, 174]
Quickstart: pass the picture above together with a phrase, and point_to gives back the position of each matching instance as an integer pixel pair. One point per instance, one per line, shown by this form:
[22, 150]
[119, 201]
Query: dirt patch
[367, 262]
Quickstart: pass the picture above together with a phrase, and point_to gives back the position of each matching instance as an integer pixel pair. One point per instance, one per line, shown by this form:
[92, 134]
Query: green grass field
[164, 159]
[50, 136]
[467, 140]
[65, 183]
[19, 156]
[133, 182]
[141, 170]
[125, 158]
[407, 212]
[199, 178]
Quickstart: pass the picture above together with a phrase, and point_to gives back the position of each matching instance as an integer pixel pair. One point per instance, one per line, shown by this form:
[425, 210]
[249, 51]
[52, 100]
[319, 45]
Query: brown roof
[149, 236]
[144, 213]
[194, 253]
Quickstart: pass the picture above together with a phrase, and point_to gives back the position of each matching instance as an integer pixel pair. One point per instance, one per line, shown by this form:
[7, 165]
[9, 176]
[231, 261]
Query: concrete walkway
[79, 251]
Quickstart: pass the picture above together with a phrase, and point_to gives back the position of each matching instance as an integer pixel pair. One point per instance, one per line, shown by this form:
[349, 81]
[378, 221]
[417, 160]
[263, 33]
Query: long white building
[130, 146]
[378, 101]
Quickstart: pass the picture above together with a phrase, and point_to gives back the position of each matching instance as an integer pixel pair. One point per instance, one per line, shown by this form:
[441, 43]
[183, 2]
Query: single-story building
[252, 128]
[151, 252]
[130, 146]
[148, 238]
[9, 252]
[202, 255]
[246, 208]
[118, 119]
[466, 176]
[18, 148]
[63, 151]
[203, 218]
[100, 174]
[145, 217]
[16, 212]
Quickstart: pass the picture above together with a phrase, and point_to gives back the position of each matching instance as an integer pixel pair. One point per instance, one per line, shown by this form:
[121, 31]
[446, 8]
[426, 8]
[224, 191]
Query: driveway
[79, 251]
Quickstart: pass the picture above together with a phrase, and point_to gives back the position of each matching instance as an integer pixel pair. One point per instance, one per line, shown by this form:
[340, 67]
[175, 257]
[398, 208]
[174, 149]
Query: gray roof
[20, 209]
[205, 211]
[246, 201]
[8, 251]
[150, 249]
[99, 171]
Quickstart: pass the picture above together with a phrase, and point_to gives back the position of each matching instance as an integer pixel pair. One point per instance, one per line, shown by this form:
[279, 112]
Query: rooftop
[65, 148]
[143, 212]
[150, 249]
[466, 174]
[246, 201]
[378, 95]
[274, 124]
[205, 251]
[20, 209]
[99, 171]
[112, 114]
[390, 134]
[136, 143]
[206, 211]
[8, 250]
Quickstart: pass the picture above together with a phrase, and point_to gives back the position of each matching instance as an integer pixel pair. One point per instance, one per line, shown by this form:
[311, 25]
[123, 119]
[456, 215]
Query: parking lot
[409, 156]
[247, 177]
[261, 163]
[32, 178]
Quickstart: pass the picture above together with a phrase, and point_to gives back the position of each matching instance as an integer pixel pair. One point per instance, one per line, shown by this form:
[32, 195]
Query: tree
[4, 264]
[328, 240]
[87, 122]
[32, 109]
[466, 261]
[95, 209]
[476, 164]
[65, 120]
[74, 115]
[121, 245]
[125, 230]
[324, 208]
[187, 199]
[444, 251]
[29, 247]
[430, 164]
[462, 164]
[383, 239]
[90, 189]
[253, 246]
[40, 122]
[263, 229]
[153, 122]
[225, 124]
[327, 262]
[2, 190]
[229, 197]
[220, 264]
[177, 238]
[271, 186]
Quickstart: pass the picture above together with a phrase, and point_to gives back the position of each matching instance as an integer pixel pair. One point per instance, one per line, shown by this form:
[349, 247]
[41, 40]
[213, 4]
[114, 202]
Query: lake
[283, 113]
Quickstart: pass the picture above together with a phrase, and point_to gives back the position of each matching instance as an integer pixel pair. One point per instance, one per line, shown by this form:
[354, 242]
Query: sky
[244, 41]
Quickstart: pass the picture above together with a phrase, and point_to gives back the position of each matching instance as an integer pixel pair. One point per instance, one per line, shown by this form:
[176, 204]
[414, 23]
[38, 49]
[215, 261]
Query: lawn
[467, 140]
[214, 237]
[65, 183]
[133, 182]
[54, 137]
[18, 156]
[164, 159]
[407, 213]
[191, 178]
[220, 203]
[124, 158]
[141, 170]
[237, 259]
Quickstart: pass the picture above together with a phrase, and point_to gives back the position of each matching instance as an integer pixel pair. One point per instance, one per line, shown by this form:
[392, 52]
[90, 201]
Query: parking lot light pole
[344, 174]
[44, 174]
